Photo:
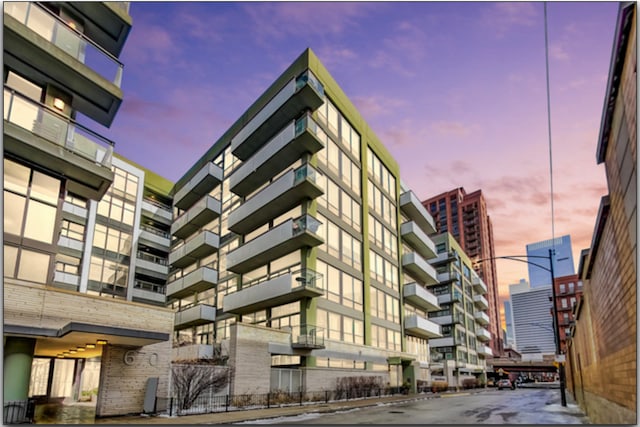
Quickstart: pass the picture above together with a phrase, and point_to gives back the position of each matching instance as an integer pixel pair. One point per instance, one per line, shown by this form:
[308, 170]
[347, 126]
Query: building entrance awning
[52, 342]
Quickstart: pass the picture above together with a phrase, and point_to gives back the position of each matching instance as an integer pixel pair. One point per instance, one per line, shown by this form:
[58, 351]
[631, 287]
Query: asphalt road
[521, 406]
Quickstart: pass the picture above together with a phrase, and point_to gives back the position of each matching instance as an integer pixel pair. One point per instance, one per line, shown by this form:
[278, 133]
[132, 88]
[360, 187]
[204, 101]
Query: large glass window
[341, 287]
[341, 328]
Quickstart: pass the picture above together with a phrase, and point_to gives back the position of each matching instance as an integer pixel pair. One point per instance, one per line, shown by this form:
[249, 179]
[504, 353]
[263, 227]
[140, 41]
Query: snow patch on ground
[278, 420]
[569, 409]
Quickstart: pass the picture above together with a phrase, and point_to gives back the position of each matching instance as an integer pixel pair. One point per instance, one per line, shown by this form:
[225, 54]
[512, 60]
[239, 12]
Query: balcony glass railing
[55, 30]
[306, 223]
[150, 286]
[305, 172]
[306, 335]
[56, 128]
[156, 231]
[307, 123]
[152, 258]
[157, 203]
[306, 278]
[308, 78]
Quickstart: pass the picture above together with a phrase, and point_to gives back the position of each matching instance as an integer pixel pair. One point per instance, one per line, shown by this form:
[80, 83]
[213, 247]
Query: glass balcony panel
[74, 43]
[276, 289]
[41, 121]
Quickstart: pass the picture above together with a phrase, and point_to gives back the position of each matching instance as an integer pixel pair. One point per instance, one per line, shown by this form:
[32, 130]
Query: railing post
[226, 409]
[268, 400]
[326, 396]
[300, 397]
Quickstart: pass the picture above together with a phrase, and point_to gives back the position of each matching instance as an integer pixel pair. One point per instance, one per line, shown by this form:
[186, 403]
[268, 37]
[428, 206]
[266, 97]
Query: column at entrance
[18, 356]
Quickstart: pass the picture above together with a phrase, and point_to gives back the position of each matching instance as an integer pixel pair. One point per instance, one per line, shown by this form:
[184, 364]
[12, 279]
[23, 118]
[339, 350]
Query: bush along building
[459, 357]
[299, 256]
[76, 323]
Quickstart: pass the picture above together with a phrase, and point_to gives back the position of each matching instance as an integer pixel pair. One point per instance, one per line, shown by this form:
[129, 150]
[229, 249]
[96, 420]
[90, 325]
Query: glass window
[13, 213]
[40, 222]
[34, 266]
[10, 258]
[16, 177]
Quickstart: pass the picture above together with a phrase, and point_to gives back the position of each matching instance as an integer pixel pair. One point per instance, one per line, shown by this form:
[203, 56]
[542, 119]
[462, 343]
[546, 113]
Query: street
[521, 406]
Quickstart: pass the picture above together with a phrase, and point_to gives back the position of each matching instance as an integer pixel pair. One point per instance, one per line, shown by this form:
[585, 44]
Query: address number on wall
[130, 357]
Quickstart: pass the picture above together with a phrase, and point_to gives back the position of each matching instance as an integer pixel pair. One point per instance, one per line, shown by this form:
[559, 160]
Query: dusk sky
[456, 92]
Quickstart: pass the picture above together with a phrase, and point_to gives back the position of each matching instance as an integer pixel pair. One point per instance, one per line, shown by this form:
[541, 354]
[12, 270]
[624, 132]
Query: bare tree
[191, 378]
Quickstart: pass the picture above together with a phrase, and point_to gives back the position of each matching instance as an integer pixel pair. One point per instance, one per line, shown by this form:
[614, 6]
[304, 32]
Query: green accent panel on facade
[18, 356]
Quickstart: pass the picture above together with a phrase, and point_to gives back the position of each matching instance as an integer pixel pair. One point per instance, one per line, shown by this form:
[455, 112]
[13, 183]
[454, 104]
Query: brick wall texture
[602, 369]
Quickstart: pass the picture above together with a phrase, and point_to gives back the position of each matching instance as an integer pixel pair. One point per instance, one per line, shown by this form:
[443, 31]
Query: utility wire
[546, 52]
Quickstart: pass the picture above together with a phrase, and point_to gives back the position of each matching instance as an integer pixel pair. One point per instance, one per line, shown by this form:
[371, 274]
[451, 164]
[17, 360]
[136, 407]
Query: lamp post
[556, 331]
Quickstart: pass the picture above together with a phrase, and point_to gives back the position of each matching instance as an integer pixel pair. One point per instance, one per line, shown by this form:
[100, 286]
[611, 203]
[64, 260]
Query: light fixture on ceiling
[91, 345]
[80, 349]
[60, 356]
[58, 103]
[101, 342]
[72, 351]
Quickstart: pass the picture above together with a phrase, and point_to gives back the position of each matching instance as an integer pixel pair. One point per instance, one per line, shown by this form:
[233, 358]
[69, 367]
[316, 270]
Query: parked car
[506, 384]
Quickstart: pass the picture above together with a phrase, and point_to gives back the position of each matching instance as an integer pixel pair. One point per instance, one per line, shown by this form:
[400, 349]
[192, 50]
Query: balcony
[195, 315]
[207, 178]
[196, 281]
[297, 138]
[484, 350]
[456, 296]
[307, 337]
[300, 94]
[483, 335]
[203, 244]
[276, 290]
[107, 23]
[478, 285]
[36, 39]
[481, 317]
[419, 241]
[152, 265]
[70, 246]
[67, 280]
[419, 269]
[203, 212]
[442, 342]
[442, 320]
[74, 212]
[36, 132]
[448, 276]
[291, 235]
[154, 237]
[418, 296]
[480, 302]
[148, 292]
[443, 257]
[412, 207]
[191, 352]
[418, 326]
[157, 211]
[279, 197]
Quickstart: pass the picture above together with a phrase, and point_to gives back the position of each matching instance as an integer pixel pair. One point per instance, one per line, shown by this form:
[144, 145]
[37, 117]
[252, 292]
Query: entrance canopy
[84, 339]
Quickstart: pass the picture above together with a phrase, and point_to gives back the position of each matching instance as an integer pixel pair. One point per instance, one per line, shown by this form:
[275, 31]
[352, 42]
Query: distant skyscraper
[532, 320]
[465, 217]
[563, 265]
[510, 340]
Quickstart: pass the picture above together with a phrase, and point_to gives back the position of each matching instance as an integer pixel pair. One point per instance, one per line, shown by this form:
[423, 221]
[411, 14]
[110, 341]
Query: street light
[556, 331]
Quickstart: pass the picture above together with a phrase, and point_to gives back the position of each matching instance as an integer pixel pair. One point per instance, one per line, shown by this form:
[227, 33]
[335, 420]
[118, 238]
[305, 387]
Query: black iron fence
[205, 404]
[19, 411]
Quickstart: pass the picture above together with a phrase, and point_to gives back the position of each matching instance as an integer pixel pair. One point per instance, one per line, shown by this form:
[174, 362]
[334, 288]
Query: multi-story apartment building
[602, 352]
[568, 292]
[465, 216]
[298, 253]
[538, 257]
[72, 215]
[462, 351]
[533, 324]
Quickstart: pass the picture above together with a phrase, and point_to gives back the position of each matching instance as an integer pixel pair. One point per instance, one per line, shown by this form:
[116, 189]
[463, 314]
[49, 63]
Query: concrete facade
[602, 351]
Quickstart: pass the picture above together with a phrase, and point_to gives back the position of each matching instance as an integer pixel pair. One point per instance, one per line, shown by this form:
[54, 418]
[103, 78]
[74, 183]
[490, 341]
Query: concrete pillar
[18, 355]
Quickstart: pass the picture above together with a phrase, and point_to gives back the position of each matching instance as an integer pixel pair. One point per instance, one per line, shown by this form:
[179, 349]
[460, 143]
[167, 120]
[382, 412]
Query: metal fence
[205, 404]
[19, 411]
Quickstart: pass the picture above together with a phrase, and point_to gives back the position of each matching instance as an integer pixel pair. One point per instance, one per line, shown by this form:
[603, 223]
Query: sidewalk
[258, 414]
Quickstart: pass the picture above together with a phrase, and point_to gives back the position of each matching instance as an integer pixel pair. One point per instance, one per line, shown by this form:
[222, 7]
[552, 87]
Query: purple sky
[456, 91]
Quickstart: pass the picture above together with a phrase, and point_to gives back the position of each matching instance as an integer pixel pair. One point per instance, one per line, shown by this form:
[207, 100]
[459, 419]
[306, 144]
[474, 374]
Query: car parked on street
[506, 384]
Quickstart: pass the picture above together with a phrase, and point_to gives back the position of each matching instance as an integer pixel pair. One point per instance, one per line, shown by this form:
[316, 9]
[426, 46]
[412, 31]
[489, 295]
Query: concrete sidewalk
[258, 414]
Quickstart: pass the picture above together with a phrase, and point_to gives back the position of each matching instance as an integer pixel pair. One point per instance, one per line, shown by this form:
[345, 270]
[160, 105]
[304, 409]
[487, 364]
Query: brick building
[602, 352]
[464, 215]
[568, 291]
